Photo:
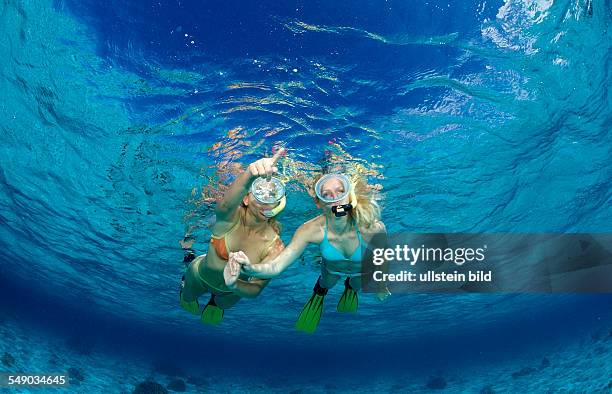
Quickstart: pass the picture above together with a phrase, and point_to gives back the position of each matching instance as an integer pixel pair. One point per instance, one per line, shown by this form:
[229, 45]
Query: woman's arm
[234, 195]
[253, 287]
[378, 240]
[273, 266]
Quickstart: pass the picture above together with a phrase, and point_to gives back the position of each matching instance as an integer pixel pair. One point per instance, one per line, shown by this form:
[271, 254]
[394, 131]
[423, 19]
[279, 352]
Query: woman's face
[332, 189]
[258, 209]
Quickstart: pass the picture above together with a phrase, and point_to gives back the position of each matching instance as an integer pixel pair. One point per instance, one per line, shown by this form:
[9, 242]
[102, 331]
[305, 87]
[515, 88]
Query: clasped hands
[237, 262]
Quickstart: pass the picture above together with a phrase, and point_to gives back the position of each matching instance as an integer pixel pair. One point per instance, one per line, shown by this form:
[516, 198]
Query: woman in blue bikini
[349, 221]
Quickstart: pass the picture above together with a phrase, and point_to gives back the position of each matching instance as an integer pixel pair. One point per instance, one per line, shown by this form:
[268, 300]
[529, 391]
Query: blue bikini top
[331, 253]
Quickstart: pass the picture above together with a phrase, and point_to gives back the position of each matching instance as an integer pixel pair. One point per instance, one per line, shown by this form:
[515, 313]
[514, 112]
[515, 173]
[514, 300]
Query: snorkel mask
[268, 192]
[328, 197]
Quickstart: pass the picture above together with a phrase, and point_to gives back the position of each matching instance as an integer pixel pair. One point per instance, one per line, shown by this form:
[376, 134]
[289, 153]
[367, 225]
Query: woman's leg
[327, 279]
[226, 301]
[355, 282]
[213, 311]
[193, 286]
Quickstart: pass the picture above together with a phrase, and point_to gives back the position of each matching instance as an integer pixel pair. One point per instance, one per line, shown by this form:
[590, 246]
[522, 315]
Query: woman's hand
[383, 294]
[226, 207]
[266, 166]
[231, 272]
[245, 263]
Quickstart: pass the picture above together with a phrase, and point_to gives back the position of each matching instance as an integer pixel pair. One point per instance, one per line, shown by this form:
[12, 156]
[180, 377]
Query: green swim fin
[311, 314]
[212, 314]
[349, 301]
[192, 307]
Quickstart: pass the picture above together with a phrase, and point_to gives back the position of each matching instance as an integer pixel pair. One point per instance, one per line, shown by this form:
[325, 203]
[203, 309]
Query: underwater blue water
[472, 116]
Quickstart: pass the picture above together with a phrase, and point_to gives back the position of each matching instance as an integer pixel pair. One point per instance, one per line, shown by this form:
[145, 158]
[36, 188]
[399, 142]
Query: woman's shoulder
[375, 228]
[314, 224]
[312, 230]
[222, 226]
[378, 226]
[273, 231]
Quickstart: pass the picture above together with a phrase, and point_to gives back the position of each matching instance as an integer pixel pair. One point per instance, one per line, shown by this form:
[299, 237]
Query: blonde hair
[366, 211]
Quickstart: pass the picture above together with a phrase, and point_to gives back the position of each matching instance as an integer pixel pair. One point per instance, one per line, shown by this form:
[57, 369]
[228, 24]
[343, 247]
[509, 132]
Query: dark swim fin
[312, 311]
[349, 301]
[212, 314]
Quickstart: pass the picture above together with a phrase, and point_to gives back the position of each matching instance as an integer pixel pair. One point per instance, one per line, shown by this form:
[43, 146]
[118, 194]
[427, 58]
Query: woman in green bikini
[349, 221]
[244, 221]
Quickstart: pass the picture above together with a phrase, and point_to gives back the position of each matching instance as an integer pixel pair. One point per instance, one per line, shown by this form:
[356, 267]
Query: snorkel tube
[270, 213]
[343, 210]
